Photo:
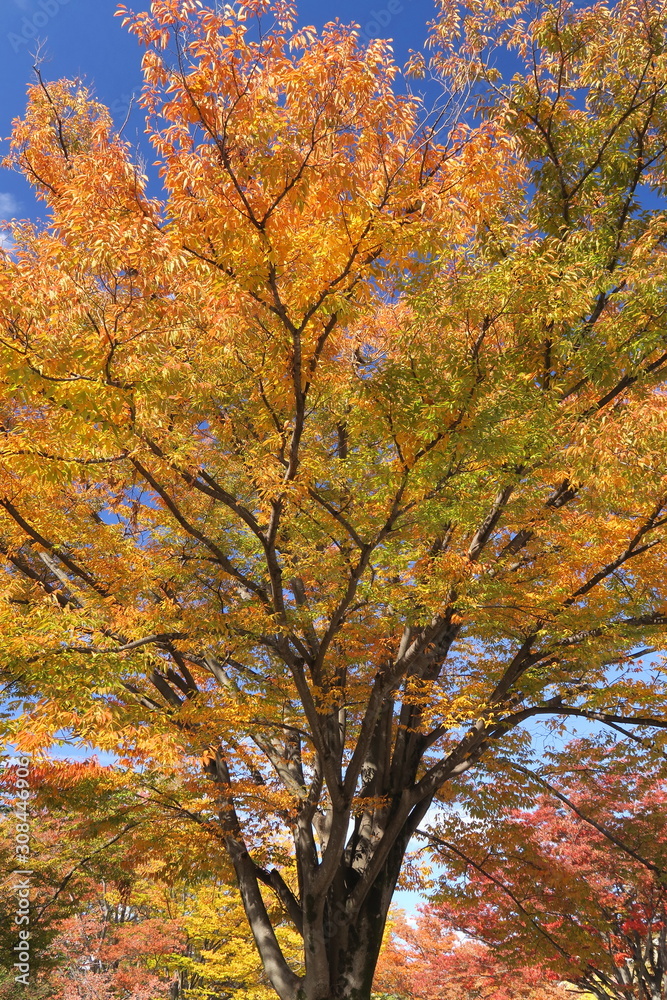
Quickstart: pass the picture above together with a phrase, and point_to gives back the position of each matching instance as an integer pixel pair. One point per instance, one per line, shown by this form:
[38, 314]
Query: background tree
[576, 884]
[124, 906]
[338, 457]
[425, 959]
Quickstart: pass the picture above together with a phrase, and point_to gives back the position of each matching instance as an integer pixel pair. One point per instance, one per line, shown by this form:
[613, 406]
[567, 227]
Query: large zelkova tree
[575, 885]
[334, 453]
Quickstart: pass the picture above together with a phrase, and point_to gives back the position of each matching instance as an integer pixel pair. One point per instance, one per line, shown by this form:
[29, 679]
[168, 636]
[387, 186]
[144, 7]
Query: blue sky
[82, 38]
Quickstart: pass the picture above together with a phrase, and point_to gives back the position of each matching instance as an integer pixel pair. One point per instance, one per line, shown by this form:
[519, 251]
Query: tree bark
[342, 948]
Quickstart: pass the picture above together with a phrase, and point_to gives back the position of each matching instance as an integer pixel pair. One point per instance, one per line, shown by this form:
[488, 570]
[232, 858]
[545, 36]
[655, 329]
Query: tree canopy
[426, 960]
[575, 885]
[333, 442]
[125, 905]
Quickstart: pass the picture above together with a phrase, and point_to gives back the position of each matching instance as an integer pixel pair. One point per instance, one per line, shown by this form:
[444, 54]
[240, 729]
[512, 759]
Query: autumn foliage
[123, 907]
[576, 884]
[426, 960]
[333, 440]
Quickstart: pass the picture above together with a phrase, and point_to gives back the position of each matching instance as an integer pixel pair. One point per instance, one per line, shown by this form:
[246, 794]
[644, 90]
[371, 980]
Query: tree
[425, 959]
[149, 939]
[576, 884]
[90, 893]
[340, 458]
[123, 906]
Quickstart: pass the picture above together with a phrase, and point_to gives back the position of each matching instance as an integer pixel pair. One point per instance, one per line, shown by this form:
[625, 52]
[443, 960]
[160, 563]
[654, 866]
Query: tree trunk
[356, 964]
[352, 943]
[345, 886]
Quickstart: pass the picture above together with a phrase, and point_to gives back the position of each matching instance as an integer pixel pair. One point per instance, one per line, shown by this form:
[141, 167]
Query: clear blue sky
[82, 38]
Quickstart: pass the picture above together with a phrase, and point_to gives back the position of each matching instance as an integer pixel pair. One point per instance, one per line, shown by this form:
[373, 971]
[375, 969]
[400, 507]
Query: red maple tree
[576, 885]
[426, 960]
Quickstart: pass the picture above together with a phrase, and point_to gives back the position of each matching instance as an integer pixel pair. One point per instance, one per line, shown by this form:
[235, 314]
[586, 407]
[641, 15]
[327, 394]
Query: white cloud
[9, 209]
[9, 206]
